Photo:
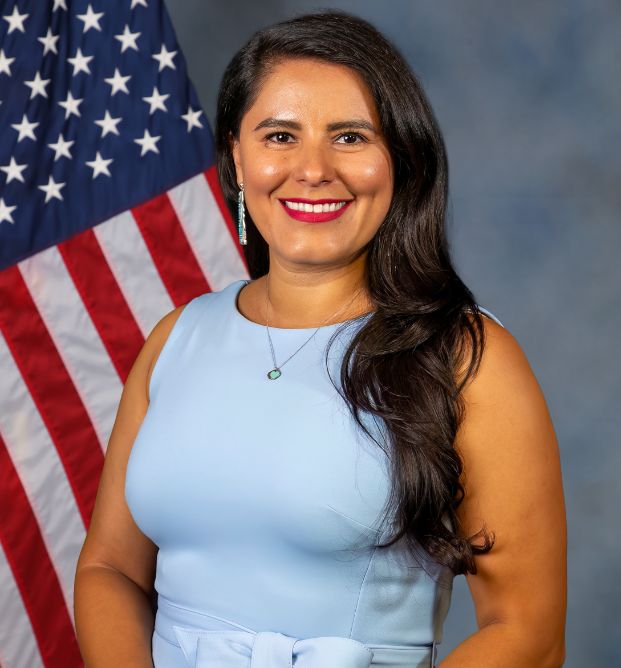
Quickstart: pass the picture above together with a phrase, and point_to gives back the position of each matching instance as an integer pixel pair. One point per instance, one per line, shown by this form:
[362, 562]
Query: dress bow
[266, 649]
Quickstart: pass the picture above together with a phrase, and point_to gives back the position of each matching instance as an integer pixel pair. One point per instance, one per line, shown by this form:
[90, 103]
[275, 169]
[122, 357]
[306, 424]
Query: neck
[302, 301]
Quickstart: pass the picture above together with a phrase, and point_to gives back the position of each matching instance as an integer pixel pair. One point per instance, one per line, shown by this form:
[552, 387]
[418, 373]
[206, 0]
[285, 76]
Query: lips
[311, 216]
[313, 201]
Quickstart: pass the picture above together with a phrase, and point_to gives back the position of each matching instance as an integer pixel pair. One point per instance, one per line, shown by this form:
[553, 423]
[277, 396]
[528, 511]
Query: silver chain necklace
[276, 371]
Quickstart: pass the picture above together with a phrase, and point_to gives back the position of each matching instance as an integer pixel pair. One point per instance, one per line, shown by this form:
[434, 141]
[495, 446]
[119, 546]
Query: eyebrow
[354, 123]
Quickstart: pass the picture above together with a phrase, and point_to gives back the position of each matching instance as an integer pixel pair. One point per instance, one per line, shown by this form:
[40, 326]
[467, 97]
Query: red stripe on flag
[103, 299]
[170, 250]
[214, 185]
[52, 389]
[34, 573]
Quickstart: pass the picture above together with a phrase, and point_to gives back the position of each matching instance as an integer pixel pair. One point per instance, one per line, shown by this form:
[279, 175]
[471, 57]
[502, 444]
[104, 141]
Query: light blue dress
[264, 498]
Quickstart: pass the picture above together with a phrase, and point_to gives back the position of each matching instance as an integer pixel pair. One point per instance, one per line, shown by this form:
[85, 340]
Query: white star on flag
[128, 39]
[135, 3]
[70, 105]
[156, 100]
[108, 124]
[52, 189]
[191, 118]
[91, 19]
[99, 165]
[5, 63]
[37, 86]
[118, 82]
[80, 62]
[13, 171]
[59, 3]
[49, 42]
[61, 147]
[165, 58]
[25, 128]
[15, 20]
[148, 143]
[5, 212]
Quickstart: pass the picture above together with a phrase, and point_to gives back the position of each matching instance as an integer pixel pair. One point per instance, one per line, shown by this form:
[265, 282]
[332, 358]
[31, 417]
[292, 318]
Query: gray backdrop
[528, 95]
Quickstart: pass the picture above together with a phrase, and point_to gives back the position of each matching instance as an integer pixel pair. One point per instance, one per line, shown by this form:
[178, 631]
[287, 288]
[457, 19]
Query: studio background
[528, 97]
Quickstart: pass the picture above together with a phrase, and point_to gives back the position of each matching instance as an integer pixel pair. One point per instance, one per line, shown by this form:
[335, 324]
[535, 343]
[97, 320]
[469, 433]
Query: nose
[313, 164]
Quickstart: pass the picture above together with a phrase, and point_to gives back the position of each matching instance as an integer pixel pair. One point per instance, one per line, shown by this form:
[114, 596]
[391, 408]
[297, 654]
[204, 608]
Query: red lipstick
[311, 216]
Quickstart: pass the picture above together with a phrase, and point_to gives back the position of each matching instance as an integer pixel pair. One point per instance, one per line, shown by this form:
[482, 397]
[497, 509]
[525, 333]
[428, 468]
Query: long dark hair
[405, 365]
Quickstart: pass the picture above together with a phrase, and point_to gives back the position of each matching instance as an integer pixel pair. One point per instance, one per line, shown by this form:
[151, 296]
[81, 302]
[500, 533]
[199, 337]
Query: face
[314, 134]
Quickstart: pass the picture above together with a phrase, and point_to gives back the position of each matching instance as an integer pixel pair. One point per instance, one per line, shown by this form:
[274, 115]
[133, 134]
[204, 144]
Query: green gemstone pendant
[273, 374]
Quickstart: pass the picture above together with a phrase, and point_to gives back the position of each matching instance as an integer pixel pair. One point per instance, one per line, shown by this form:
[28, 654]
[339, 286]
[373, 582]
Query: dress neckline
[255, 325]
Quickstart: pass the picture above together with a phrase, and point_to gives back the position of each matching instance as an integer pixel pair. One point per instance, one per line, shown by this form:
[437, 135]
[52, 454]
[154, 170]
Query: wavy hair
[405, 365]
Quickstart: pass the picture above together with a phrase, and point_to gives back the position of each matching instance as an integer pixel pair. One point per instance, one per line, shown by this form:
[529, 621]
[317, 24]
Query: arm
[113, 601]
[513, 485]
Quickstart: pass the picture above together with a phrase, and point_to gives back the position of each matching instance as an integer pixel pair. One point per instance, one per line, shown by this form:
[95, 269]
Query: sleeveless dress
[263, 497]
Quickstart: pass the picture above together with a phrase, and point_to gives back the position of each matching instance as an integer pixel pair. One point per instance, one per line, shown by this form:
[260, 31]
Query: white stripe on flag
[85, 356]
[18, 645]
[132, 265]
[41, 473]
[207, 232]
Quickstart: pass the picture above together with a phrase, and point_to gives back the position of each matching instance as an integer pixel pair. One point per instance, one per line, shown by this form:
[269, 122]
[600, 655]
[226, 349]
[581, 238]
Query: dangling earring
[241, 216]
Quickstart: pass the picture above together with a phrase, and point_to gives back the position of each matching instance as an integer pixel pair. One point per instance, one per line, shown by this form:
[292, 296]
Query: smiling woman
[315, 514]
[313, 135]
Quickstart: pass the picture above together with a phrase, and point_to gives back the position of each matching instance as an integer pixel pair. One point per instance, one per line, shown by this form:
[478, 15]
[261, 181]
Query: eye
[277, 134]
[353, 134]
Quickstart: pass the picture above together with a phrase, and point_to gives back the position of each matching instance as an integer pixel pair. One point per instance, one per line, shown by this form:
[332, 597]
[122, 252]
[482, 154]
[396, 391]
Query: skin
[513, 486]
[512, 469]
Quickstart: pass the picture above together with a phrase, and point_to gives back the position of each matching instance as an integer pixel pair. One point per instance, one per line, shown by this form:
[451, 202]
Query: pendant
[274, 374]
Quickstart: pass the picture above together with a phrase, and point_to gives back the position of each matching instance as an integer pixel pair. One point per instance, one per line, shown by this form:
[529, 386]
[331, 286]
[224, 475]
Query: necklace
[276, 371]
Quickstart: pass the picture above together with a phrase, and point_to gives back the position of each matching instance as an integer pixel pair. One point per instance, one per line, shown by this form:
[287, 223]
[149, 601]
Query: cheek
[370, 177]
[264, 171]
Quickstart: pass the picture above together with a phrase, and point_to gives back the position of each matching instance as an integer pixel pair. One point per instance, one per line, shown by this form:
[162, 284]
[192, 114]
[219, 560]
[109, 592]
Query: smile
[315, 212]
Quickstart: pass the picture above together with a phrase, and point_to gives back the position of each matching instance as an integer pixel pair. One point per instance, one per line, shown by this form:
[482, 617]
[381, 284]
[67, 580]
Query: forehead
[313, 89]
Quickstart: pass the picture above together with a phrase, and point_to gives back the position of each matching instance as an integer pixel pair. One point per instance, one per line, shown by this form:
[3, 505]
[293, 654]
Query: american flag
[110, 216]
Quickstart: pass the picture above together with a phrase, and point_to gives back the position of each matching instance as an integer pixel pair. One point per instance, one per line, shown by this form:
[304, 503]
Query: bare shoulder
[506, 424]
[502, 355]
[513, 488]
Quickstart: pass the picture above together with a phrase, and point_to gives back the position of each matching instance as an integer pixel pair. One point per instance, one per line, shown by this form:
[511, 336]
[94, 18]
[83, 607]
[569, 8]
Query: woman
[295, 505]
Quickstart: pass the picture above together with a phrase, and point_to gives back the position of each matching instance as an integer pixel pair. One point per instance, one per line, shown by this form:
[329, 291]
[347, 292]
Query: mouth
[315, 211]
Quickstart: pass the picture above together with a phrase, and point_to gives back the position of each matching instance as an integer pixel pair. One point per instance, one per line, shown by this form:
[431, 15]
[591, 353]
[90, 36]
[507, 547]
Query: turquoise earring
[241, 216]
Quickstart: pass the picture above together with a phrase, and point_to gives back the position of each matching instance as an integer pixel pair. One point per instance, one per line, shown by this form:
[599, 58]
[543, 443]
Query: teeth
[314, 208]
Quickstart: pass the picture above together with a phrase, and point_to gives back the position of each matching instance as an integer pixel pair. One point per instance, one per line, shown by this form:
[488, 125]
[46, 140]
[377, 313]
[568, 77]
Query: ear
[235, 152]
